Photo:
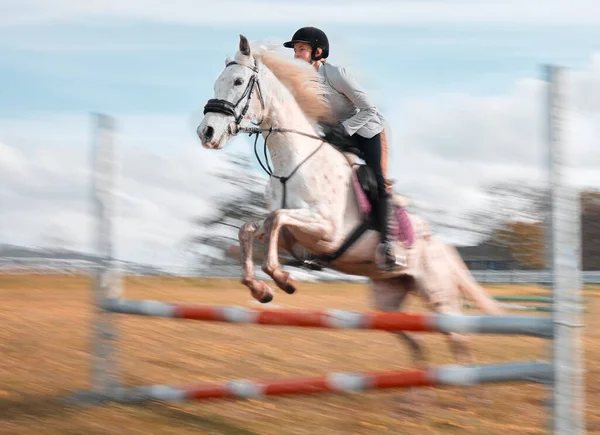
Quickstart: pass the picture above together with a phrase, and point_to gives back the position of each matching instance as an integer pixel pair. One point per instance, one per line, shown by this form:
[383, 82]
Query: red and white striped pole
[345, 383]
[339, 319]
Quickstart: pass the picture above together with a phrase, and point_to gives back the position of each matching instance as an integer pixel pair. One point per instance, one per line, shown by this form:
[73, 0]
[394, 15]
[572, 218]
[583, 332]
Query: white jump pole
[105, 376]
[564, 261]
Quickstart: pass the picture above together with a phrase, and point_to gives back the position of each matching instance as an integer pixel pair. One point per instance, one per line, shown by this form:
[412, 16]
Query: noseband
[227, 108]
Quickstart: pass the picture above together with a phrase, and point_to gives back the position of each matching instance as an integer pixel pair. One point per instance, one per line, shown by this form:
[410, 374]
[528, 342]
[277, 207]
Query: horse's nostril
[209, 132]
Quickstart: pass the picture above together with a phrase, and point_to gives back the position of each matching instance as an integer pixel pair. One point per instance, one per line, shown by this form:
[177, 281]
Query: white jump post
[105, 377]
[564, 256]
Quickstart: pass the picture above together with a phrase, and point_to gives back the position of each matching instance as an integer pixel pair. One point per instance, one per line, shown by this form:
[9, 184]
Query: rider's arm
[346, 84]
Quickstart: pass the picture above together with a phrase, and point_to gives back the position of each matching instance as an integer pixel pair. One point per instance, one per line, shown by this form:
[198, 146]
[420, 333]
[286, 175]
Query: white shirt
[350, 105]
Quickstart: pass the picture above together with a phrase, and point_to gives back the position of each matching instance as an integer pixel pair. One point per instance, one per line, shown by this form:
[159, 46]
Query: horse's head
[237, 100]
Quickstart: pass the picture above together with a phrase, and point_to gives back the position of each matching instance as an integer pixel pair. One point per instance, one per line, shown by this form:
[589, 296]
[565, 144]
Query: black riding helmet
[312, 36]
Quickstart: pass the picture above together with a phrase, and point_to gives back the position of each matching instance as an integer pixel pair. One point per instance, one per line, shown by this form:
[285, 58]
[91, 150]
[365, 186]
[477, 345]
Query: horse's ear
[244, 46]
[228, 59]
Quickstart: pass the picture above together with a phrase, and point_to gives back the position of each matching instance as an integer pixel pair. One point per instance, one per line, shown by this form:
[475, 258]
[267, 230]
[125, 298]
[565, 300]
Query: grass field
[44, 356]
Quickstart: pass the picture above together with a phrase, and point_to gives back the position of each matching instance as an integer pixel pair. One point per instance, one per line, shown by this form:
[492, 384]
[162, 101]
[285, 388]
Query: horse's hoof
[289, 288]
[266, 298]
[260, 291]
[284, 281]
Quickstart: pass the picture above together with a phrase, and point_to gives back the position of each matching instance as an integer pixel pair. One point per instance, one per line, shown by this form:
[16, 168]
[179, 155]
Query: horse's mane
[301, 80]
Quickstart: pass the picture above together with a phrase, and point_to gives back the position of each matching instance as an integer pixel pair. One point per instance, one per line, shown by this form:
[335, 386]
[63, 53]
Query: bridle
[227, 108]
[215, 105]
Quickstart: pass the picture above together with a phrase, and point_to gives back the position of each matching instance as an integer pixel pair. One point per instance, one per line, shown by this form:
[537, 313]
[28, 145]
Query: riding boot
[386, 257]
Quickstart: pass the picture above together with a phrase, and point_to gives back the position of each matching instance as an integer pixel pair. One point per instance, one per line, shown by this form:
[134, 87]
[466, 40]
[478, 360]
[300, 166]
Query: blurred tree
[525, 242]
[215, 241]
[246, 203]
[507, 202]
[513, 217]
[215, 233]
[590, 229]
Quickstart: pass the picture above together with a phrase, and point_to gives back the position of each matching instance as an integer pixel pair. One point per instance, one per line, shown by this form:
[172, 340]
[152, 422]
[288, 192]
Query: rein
[283, 179]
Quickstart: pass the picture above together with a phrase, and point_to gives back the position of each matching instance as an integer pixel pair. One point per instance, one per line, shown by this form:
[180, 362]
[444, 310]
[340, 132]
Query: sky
[459, 82]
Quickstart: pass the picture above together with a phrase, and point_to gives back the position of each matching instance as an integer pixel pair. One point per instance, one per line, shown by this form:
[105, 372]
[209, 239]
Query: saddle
[365, 189]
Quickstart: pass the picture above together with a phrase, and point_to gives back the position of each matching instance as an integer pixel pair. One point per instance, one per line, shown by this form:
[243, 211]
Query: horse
[316, 196]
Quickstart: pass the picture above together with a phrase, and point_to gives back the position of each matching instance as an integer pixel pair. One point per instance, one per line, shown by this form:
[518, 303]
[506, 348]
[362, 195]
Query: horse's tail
[470, 288]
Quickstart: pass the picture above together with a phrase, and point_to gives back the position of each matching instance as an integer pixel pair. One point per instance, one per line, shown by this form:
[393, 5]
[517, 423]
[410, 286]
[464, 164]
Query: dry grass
[44, 349]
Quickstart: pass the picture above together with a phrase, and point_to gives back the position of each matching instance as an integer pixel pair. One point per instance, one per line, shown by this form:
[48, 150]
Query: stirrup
[387, 259]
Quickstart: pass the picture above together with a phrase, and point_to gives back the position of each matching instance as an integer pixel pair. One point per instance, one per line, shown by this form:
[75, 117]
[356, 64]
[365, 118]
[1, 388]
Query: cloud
[448, 146]
[586, 86]
[12, 164]
[164, 180]
[237, 12]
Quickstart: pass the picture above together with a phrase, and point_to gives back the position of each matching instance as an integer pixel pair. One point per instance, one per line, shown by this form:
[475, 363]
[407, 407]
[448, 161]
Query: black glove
[336, 135]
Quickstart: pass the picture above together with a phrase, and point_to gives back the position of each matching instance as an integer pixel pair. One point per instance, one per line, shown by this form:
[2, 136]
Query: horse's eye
[238, 82]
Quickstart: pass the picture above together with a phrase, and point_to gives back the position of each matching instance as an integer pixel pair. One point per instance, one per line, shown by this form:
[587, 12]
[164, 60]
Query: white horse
[313, 195]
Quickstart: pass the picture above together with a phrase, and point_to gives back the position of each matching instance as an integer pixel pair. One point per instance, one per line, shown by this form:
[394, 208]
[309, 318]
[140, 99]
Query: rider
[359, 124]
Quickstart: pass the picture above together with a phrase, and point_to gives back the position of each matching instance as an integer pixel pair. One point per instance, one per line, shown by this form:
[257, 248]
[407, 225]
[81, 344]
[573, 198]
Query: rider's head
[309, 44]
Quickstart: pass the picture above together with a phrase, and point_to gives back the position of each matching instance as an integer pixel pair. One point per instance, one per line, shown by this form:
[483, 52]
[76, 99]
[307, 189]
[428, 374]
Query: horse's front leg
[314, 226]
[259, 289]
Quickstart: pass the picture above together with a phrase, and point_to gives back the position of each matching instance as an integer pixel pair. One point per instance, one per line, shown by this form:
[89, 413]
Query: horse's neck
[288, 150]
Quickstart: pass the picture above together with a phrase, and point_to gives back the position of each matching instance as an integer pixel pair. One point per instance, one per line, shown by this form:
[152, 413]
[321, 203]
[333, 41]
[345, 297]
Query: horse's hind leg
[438, 287]
[415, 343]
[389, 295]
[437, 302]
[441, 293]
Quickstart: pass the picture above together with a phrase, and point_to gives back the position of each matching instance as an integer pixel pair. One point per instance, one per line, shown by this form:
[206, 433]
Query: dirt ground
[44, 357]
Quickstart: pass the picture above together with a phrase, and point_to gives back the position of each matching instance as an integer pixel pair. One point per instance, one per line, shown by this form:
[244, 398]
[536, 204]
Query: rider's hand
[336, 135]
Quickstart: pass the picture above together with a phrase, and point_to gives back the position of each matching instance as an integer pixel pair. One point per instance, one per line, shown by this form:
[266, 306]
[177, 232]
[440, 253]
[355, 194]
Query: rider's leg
[375, 159]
